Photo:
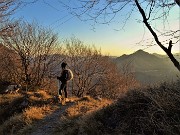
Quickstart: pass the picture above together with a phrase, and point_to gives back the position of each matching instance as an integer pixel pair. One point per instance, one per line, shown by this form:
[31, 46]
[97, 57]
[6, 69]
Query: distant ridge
[148, 68]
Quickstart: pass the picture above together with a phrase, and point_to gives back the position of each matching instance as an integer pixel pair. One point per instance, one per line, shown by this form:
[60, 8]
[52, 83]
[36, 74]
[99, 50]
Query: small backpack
[69, 75]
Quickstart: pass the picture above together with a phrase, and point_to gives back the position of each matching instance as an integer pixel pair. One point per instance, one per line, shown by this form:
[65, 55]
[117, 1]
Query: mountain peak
[141, 52]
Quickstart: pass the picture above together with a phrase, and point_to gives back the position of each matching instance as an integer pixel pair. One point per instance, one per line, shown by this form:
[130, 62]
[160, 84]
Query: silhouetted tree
[95, 74]
[7, 8]
[104, 12]
[33, 47]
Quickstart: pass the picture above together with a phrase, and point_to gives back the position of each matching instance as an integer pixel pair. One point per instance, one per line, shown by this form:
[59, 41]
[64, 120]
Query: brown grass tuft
[7, 98]
[43, 94]
[18, 123]
[19, 111]
[86, 98]
[86, 105]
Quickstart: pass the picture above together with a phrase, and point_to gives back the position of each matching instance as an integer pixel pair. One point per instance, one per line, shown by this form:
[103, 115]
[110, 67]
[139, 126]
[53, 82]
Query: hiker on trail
[66, 75]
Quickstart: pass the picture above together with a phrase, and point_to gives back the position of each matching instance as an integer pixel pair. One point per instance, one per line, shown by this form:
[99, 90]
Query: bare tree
[115, 83]
[145, 20]
[7, 8]
[151, 10]
[94, 74]
[6, 65]
[84, 61]
[34, 47]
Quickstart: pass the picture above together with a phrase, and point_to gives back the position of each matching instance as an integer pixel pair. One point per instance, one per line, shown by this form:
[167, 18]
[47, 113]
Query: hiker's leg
[65, 90]
[63, 85]
[61, 88]
[60, 93]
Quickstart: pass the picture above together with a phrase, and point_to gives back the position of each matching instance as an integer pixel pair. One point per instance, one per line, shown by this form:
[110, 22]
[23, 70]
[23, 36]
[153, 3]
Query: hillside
[39, 113]
[148, 68]
[176, 55]
[152, 110]
[145, 111]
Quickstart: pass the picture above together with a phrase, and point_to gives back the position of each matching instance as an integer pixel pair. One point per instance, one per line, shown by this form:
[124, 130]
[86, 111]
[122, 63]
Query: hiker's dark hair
[63, 65]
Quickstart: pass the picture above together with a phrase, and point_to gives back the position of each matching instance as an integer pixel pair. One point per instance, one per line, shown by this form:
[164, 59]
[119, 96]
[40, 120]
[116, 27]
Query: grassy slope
[150, 111]
[19, 111]
[146, 111]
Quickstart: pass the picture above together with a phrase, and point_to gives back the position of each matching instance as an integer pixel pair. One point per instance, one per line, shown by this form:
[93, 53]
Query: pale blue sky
[109, 37]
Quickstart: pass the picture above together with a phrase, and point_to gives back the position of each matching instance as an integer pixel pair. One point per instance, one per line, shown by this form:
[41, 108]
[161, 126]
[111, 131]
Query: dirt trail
[48, 124]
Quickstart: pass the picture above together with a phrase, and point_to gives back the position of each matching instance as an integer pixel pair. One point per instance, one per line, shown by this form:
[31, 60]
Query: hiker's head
[63, 65]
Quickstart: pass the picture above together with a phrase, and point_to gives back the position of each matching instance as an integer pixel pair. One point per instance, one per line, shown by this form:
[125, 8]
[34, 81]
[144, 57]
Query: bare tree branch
[167, 50]
[33, 46]
[104, 12]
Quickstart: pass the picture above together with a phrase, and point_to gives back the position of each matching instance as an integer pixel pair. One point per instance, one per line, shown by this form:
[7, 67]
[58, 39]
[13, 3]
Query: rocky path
[48, 124]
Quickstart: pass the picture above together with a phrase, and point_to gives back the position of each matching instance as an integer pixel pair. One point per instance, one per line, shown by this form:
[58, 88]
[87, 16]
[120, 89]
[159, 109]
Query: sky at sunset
[109, 37]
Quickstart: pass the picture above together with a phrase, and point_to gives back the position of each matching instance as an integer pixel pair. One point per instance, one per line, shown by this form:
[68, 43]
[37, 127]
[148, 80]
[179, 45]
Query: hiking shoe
[60, 98]
[67, 100]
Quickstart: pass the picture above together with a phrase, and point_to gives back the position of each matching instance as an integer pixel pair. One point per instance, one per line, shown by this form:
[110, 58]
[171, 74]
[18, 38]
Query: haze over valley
[149, 68]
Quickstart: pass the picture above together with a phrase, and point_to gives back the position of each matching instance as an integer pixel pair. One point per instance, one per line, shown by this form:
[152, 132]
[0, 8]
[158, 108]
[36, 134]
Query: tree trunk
[167, 50]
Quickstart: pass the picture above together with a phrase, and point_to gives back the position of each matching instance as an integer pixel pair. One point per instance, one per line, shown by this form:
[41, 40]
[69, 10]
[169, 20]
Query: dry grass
[39, 98]
[43, 94]
[36, 113]
[18, 123]
[86, 105]
[9, 105]
[40, 94]
[154, 110]
[7, 98]
[70, 123]
[19, 111]
[151, 110]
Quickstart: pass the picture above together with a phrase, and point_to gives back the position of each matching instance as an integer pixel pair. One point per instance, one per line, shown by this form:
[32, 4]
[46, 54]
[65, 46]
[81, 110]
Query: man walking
[66, 75]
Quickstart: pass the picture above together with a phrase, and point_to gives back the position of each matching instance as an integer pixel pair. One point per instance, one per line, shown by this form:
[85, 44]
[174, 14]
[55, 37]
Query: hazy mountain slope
[148, 68]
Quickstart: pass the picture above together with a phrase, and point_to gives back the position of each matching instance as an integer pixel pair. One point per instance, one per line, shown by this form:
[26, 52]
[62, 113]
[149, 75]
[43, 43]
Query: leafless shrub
[94, 74]
[33, 47]
[7, 8]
